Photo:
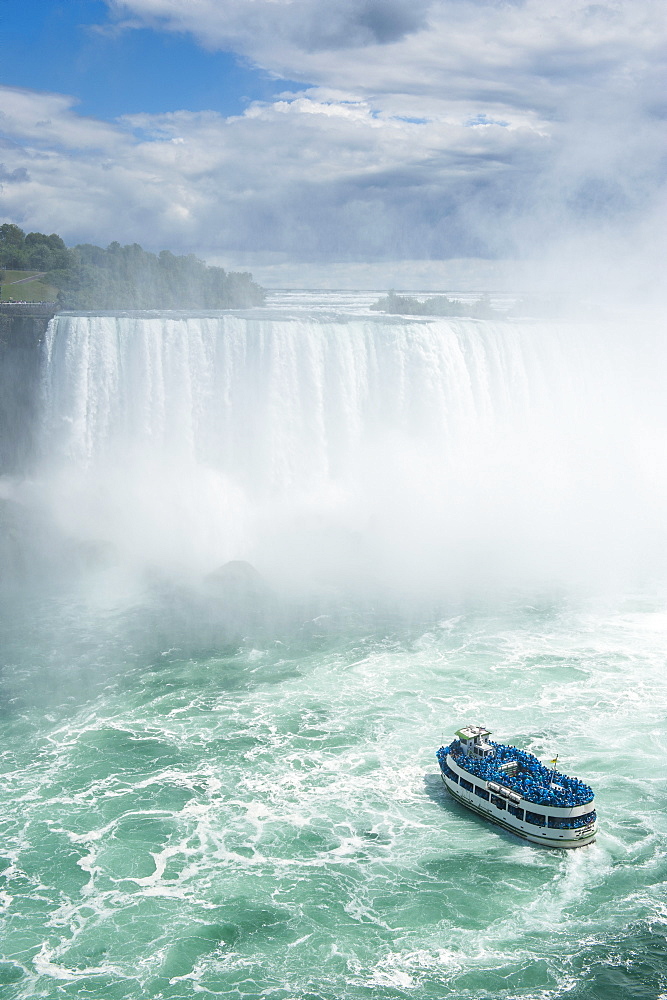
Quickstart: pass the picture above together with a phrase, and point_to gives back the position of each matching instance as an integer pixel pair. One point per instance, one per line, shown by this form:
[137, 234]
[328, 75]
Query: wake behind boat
[514, 789]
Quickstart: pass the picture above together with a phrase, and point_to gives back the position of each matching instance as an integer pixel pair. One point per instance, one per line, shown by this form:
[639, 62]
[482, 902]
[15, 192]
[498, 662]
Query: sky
[365, 143]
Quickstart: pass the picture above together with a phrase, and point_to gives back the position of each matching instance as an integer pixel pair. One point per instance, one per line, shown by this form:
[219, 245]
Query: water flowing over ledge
[354, 446]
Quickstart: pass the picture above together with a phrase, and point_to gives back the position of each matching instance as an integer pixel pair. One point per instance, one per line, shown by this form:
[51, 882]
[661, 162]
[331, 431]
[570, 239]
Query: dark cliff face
[21, 339]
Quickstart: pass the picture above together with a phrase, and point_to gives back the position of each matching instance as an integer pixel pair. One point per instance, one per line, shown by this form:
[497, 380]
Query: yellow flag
[554, 761]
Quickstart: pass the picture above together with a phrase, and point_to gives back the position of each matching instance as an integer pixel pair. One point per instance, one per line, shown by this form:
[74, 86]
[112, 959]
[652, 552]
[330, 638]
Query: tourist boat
[514, 789]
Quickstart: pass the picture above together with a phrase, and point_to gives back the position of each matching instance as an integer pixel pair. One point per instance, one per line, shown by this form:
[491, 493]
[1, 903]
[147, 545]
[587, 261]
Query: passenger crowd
[531, 779]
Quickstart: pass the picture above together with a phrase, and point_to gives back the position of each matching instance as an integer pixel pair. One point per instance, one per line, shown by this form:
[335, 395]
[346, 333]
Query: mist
[352, 456]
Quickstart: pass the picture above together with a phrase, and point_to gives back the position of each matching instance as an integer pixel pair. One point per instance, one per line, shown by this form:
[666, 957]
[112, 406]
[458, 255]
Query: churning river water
[261, 567]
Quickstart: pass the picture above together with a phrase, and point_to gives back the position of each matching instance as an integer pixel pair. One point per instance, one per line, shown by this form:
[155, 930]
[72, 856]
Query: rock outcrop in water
[239, 581]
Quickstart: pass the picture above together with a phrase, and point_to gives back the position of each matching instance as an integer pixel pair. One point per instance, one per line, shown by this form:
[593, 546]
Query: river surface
[223, 783]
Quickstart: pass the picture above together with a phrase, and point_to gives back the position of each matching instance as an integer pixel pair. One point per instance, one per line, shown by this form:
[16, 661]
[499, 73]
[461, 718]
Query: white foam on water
[46, 966]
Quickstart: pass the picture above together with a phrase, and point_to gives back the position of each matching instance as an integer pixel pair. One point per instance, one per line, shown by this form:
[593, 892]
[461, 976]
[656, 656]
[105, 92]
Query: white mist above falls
[375, 451]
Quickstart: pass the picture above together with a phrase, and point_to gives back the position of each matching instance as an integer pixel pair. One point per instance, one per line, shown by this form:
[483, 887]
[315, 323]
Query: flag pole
[554, 762]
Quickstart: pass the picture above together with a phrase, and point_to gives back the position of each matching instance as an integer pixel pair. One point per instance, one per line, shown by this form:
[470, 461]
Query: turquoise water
[222, 782]
[265, 818]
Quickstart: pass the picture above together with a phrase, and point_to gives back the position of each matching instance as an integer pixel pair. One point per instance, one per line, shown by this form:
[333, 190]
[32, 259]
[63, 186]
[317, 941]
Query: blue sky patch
[56, 46]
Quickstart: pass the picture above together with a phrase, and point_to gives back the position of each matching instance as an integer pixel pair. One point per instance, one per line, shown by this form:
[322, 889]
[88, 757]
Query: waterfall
[402, 452]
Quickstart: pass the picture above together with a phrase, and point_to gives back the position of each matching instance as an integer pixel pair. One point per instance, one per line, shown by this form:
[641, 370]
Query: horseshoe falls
[355, 453]
[255, 570]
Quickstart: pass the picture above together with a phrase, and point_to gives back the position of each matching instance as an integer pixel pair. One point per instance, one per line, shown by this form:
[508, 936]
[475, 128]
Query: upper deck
[517, 770]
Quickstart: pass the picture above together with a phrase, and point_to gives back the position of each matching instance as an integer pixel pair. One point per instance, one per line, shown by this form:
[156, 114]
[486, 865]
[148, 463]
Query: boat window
[515, 811]
[571, 823]
[447, 771]
[482, 792]
[500, 803]
[537, 819]
[466, 784]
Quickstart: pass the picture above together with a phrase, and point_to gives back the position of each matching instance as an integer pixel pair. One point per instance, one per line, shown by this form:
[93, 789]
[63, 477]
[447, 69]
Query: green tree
[128, 277]
[125, 277]
[12, 250]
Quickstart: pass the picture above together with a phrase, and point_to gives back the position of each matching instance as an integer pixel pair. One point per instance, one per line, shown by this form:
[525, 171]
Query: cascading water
[429, 453]
[205, 791]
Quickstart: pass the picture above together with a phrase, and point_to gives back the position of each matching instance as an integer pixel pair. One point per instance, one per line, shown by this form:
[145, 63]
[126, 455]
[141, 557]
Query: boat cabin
[473, 741]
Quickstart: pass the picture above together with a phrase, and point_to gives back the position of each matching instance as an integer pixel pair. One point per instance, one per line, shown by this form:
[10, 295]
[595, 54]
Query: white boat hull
[546, 836]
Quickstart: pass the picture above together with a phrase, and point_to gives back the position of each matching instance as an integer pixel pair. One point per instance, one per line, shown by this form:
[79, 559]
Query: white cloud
[450, 128]
[525, 56]
[291, 176]
[284, 26]
[48, 121]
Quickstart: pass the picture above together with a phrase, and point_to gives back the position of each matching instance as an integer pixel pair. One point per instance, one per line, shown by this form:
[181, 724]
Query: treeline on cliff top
[125, 277]
[438, 305]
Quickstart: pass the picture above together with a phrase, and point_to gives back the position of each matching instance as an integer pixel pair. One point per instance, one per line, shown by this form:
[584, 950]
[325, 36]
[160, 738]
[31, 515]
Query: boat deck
[523, 773]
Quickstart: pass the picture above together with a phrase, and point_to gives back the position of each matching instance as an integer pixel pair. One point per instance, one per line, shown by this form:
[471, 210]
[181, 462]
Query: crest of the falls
[356, 448]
